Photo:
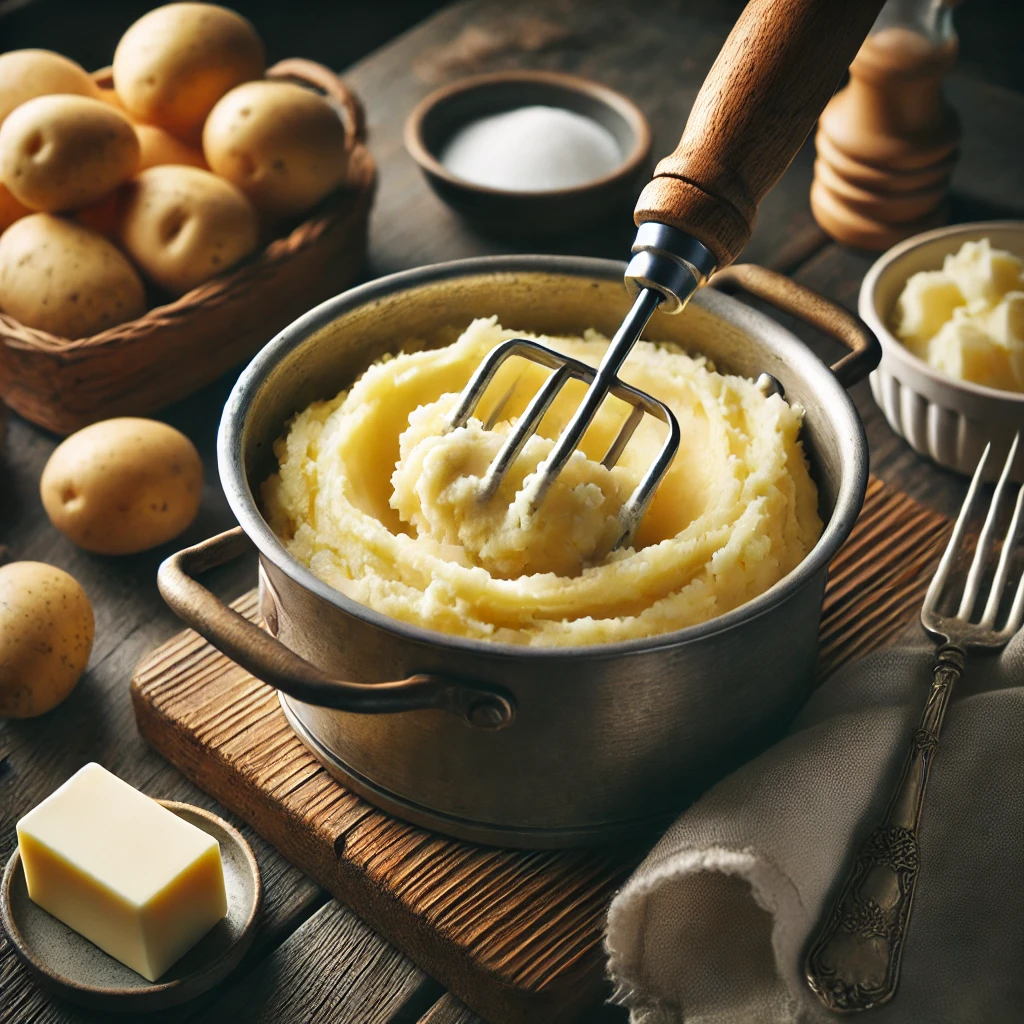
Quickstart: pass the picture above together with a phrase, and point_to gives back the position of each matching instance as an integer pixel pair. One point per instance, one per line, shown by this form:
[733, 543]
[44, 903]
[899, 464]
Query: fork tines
[980, 633]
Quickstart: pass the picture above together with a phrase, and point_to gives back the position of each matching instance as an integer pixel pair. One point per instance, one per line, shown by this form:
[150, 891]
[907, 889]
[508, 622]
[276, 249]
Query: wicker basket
[172, 350]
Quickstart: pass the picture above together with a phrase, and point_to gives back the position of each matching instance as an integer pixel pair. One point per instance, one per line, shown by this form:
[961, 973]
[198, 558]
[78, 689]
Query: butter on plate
[127, 874]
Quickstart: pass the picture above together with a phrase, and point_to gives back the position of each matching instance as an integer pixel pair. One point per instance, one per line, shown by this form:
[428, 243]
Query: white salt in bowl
[526, 213]
[948, 420]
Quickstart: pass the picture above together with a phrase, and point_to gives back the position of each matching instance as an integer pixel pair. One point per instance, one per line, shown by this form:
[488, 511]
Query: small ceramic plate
[70, 966]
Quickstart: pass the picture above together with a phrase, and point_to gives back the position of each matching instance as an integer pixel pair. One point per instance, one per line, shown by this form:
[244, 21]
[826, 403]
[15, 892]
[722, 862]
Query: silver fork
[854, 963]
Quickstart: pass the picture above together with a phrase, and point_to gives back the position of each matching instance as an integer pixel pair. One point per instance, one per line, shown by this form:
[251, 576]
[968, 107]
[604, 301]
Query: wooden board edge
[494, 997]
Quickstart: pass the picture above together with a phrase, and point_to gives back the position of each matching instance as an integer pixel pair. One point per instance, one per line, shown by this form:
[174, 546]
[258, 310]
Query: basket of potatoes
[162, 219]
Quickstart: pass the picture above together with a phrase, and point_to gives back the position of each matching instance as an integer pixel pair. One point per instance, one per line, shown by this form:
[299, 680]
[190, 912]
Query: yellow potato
[104, 217]
[60, 277]
[46, 634]
[175, 62]
[184, 225]
[65, 152]
[161, 147]
[281, 144]
[122, 485]
[10, 209]
[157, 148]
[157, 145]
[109, 95]
[25, 74]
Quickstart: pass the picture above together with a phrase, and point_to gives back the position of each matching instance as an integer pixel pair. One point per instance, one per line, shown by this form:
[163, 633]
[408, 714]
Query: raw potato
[183, 225]
[161, 147]
[104, 217]
[175, 62]
[122, 485]
[158, 145]
[109, 95]
[46, 634]
[281, 144]
[60, 277]
[25, 74]
[10, 209]
[65, 152]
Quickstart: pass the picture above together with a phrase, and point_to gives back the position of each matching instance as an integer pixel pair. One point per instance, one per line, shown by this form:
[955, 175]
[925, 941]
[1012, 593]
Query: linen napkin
[713, 926]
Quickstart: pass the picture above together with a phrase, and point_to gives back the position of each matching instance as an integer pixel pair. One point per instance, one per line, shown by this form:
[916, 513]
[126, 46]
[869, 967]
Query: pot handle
[786, 295]
[269, 660]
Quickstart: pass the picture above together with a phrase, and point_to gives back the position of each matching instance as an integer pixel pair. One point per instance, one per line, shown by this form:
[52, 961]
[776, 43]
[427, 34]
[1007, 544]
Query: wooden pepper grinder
[887, 142]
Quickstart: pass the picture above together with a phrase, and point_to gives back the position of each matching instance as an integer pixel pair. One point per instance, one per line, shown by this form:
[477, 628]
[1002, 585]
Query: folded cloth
[713, 926]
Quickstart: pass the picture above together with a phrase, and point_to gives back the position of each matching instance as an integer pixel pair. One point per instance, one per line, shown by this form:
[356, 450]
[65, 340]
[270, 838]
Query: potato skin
[281, 144]
[65, 152]
[160, 147]
[184, 225]
[10, 209]
[25, 74]
[104, 217]
[122, 485]
[175, 62]
[109, 95]
[61, 277]
[46, 634]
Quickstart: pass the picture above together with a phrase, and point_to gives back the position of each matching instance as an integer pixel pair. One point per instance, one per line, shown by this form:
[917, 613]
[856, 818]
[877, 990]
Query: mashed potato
[967, 319]
[381, 504]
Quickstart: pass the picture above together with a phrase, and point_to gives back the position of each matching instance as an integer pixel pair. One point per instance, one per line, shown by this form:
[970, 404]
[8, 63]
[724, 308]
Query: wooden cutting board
[516, 935]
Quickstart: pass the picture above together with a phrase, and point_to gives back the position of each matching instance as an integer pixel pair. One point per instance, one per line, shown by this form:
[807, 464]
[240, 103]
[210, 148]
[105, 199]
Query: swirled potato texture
[383, 505]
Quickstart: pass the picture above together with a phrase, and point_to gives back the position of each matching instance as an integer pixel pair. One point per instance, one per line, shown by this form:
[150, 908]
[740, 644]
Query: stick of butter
[133, 878]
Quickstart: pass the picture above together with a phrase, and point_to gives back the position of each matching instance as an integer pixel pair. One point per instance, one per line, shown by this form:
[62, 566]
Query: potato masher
[779, 66]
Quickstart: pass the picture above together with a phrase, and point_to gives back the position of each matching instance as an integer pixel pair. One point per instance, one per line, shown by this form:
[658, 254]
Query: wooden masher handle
[780, 65]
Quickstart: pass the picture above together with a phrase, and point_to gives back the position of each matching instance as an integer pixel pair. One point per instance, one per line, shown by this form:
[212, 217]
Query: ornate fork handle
[854, 963]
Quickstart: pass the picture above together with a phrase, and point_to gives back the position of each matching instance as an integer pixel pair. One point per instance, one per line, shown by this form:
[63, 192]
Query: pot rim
[849, 492]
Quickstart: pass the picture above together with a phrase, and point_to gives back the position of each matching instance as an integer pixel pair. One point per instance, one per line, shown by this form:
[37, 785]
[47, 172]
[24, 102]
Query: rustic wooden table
[313, 960]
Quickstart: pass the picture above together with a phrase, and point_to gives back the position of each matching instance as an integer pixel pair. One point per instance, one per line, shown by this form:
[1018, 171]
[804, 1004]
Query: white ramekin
[948, 420]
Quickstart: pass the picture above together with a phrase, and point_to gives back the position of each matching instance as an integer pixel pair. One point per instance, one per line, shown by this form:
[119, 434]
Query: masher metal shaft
[607, 375]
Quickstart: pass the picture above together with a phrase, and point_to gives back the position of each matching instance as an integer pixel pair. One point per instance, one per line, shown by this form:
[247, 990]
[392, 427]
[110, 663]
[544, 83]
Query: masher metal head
[667, 267]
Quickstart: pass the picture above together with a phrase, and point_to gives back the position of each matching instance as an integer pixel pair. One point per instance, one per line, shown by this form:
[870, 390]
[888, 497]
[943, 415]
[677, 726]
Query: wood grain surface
[659, 59]
[516, 935]
[449, 1010]
[378, 980]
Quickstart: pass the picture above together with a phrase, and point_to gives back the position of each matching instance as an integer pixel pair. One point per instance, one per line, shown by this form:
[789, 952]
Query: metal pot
[494, 742]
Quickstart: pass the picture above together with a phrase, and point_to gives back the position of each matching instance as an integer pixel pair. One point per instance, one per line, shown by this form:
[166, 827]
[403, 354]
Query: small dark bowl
[509, 213]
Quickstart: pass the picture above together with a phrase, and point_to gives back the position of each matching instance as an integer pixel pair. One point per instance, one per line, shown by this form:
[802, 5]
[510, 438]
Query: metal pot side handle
[786, 295]
[269, 660]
